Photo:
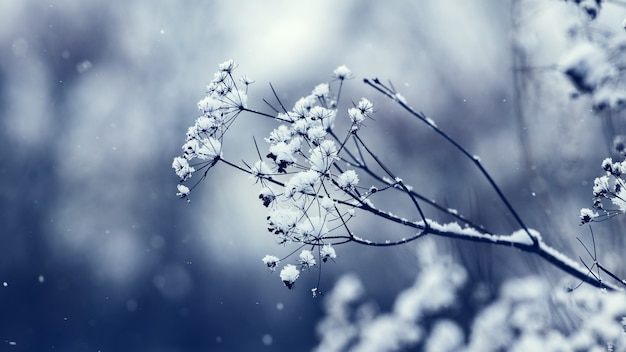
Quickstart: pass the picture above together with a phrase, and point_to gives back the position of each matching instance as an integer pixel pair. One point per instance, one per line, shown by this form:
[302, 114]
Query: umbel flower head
[302, 185]
[218, 110]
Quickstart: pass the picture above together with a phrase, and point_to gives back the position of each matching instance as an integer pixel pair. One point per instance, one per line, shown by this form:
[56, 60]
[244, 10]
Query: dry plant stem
[234, 106]
[376, 84]
[362, 166]
[537, 247]
[543, 250]
[397, 180]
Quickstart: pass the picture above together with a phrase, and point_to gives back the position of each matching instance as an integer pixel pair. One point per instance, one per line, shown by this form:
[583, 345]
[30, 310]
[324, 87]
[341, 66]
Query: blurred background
[98, 254]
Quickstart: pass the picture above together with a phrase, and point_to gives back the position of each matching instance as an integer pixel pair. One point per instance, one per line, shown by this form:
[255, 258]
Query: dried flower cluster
[308, 195]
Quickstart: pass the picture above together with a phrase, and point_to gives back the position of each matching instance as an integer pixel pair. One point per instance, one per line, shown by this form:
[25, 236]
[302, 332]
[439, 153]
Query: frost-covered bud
[306, 259]
[282, 220]
[600, 186]
[357, 117]
[343, 72]
[289, 275]
[622, 167]
[321, 91]
[302, 107]
[303, 182]
[271, 261]
[323, 157]
[327, 117]
[205, 149]
[284, 153]
[260, 171]
[619, 199]
[316, 134]
[301, 126]
[365, 106]
[267, 196]
[182, 168]
[281, 134]
[183, 191]
[228, 66]
[209, 104]
[319, 113]
[327, 252]
[348, 180]
[616, 169]
[327, 204]
[597, 203]
[314, 226]
[587, 215]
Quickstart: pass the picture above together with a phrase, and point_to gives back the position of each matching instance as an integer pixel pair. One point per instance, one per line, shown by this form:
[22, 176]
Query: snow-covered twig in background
[521, 318]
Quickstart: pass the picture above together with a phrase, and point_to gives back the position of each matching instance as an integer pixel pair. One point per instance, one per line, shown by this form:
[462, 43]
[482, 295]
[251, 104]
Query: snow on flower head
[587, 215]
[267, 196]
[303, 106]
[208, 105]
[281, 221]
[182, 168]
[327, 204]
[323, 157]
[204, 127]
[321, 91]
[358, 113]
[280, 134]
[306, 259]
[620, 200]
[228, 66]
[260, 171]
[343, 72]
[183, 191]
[320, 113]
[327, 252]
[205, 149]
[365, 106]
[348, 180]
[313, 227]
[316, 134]
[304, 182]
[601, 186]
[289, 274]
[271, 261]
[357, 117]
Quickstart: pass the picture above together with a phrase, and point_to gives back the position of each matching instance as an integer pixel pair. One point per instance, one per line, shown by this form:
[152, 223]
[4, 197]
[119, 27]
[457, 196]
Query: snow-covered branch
[312, 175]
